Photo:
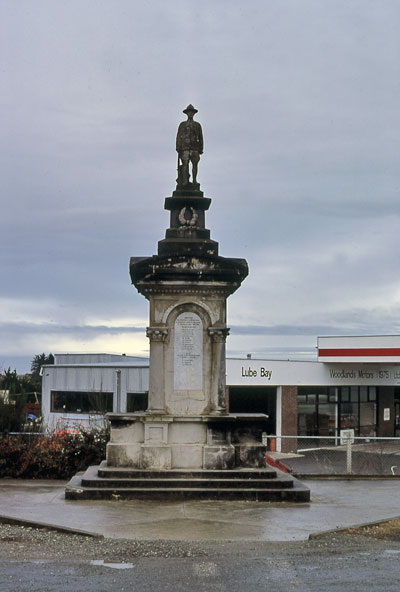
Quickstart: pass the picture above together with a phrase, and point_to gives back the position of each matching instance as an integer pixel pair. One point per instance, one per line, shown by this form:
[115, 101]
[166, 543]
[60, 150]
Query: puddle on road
[393, 551]
[115, 565]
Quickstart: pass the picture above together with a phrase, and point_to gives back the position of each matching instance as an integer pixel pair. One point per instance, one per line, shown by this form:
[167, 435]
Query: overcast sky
[299, 103]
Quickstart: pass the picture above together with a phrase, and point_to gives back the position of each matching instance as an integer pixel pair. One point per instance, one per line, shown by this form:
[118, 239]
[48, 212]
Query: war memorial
[186, 443]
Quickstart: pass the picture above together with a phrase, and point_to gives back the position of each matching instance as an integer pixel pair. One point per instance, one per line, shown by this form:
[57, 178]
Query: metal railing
[328, 456]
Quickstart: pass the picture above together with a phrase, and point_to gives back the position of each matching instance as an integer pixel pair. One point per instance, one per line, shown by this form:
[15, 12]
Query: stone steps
[126, 473]
[186, 483]
[249, 484]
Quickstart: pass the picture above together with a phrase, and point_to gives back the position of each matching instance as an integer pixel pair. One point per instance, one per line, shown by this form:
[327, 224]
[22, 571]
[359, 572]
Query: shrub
[57, 456]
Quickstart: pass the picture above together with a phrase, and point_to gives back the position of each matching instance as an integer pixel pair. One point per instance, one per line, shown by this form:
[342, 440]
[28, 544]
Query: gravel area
[33, 544]
[388, 530]
[24, 542]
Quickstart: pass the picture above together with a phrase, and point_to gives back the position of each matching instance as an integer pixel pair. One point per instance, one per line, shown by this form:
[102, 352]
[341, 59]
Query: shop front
[357, 389]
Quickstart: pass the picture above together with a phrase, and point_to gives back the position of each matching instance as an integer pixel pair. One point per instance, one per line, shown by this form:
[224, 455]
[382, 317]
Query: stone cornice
[208, 289]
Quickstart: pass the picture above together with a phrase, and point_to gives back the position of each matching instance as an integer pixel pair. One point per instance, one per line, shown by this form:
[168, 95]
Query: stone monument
[187, 429]
[187, 284]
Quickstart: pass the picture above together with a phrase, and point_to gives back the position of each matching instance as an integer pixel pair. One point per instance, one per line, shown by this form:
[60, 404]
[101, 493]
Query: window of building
[358, 411]
[344, 394]
[333, 394]
[136, 402]
[324, 411]
[317, 411]
[81, 402]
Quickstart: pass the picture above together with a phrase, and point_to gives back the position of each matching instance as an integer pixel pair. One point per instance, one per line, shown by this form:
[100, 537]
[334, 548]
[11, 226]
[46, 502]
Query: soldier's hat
[190, 108]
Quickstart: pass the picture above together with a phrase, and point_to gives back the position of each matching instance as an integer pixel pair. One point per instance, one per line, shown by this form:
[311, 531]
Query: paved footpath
[334, 504]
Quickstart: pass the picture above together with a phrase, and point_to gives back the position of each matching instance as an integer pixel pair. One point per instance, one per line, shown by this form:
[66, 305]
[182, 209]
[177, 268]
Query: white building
[79, 388]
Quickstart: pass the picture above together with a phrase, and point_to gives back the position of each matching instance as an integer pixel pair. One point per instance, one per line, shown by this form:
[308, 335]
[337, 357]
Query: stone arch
[205, 312]
[174, 311]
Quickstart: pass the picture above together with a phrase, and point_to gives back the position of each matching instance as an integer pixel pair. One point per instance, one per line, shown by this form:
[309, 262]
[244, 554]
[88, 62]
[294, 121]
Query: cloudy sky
[299, 103]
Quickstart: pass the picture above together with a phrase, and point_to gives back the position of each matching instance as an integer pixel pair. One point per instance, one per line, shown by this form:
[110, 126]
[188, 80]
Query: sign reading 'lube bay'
[188, 352]
[252, 373]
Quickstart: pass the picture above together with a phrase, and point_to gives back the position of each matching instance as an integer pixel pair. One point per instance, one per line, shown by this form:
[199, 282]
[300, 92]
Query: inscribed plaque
[188, 352]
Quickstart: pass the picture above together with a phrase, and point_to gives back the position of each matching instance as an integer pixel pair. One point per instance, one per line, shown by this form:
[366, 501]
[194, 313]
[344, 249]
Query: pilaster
[218, 365]
[157, 336]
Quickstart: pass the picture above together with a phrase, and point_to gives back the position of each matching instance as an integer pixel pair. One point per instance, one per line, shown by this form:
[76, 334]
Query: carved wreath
[192, 221]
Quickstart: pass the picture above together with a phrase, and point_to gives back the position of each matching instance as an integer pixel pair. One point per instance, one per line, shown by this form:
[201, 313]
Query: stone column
[157, 337]
[218, 369]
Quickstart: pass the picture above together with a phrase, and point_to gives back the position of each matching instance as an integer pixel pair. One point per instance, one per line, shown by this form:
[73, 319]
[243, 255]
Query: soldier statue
[189, 145]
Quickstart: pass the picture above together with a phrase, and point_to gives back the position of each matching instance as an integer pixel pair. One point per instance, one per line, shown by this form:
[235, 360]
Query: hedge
[54, 456]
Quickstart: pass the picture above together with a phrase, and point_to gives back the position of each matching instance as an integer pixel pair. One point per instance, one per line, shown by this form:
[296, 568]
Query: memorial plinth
[187, 424]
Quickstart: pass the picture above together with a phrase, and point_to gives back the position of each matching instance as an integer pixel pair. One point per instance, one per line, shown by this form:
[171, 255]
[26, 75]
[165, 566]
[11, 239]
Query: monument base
[168, 457]
[147, 441]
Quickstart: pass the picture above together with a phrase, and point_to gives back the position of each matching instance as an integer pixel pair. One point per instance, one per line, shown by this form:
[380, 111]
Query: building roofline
[360, 336]
[97, 365]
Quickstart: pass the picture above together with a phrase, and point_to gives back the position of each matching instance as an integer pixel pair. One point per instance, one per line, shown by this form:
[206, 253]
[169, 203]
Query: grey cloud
[289, 330]
[299, 106]
[76, 330]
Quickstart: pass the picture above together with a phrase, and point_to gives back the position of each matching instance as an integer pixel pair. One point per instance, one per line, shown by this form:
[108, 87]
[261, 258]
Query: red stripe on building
[363, 351]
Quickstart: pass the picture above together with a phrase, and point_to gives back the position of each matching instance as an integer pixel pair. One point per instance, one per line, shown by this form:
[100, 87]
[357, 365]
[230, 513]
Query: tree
[10, 382]
[21, 391]
[12, 414]
[40, 360]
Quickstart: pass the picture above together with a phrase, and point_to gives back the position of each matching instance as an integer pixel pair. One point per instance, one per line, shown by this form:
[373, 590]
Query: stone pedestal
[141, 440]
[187, 285]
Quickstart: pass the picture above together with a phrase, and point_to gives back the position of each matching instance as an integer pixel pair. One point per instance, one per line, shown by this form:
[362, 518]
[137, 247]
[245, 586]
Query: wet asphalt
[334, 504]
